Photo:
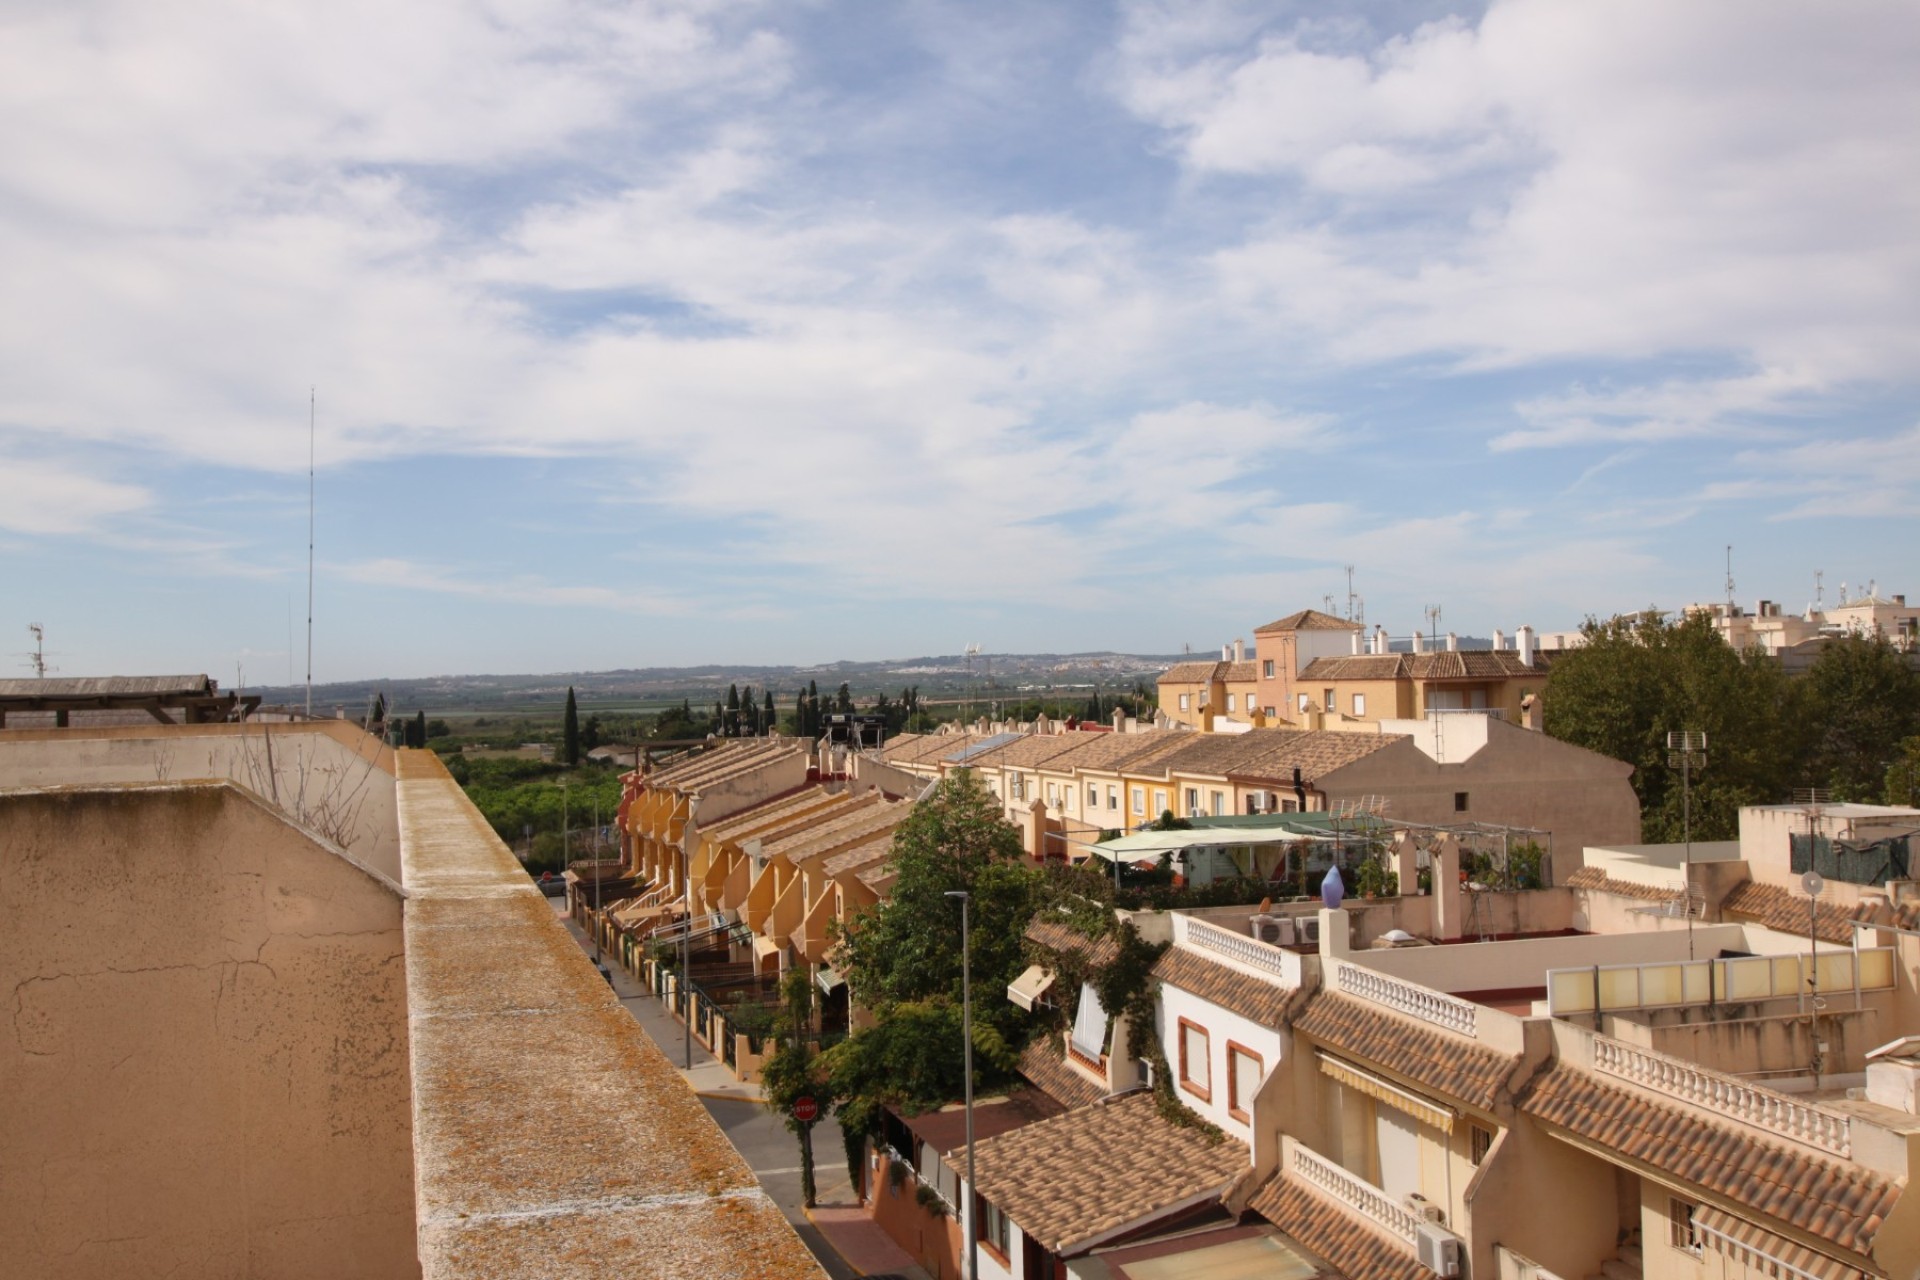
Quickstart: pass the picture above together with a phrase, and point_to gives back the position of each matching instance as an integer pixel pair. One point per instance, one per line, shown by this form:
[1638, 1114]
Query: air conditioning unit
[1274, 930]
[1438, 1249]
[1309, 929]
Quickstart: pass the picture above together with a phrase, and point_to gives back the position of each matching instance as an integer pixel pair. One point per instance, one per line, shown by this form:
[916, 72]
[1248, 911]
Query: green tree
[1638, 678]
[591, 733]
[843, 701]
[792, 1070]
[1864, 701]
[731, 722]
[1903, 775]
[439, 729]
[417, 730]
[570, 731]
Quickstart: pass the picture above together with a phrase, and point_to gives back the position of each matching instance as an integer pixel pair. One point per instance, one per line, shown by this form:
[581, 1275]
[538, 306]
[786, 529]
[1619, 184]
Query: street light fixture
[966, 1031]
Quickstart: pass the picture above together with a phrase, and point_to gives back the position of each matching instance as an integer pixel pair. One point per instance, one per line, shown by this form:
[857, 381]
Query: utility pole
[1687, 751]
[966, 1025]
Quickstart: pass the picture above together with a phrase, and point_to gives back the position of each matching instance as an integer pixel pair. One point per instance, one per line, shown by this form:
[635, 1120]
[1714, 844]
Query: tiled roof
[1464, 664]
[860, 856]
[1244, 672]
[1597, 879]
[1309, 620]
[1076, 1177]
[1266, 753]
[1107, 751]
[1428, 1058]
[945, 1129]
[1266, 1003]
[1034, 749]
[924, 748]
[1043, 1065]
[876, 821]
[1335, 1234]
[1776, 908]
[776, 814]
[1839, 1202]
[1069, 941]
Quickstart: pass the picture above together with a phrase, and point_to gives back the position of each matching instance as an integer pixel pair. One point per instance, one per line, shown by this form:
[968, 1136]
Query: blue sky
[662, 333]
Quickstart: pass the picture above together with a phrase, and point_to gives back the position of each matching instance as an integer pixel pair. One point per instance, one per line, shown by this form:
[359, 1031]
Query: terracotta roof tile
[1266, 1003]
[1775, 907]
[924, 748]
[1839, 1202]
[1035, 749]
[1309, 620]
[1067, 940]
[1335, 1234]
[1429, 1058]
[1597, 880]
[1043, 1065]
[1467, 664]
[1101, 1168]
[861, 856]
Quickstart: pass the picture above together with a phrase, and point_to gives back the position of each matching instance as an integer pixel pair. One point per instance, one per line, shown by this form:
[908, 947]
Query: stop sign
[805, 1110]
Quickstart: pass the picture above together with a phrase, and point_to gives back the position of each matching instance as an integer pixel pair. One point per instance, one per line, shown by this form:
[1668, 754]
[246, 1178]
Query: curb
[828, 1237]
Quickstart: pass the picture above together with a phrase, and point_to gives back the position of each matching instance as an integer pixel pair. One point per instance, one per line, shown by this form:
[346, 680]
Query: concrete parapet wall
[552, 1139]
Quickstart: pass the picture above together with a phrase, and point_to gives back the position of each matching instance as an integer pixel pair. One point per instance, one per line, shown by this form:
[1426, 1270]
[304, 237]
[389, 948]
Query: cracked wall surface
[203, 1042]
[552, 1139]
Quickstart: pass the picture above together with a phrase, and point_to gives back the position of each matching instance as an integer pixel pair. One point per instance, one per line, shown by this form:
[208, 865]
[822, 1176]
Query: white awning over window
[1425, 1110]
[1030, 986]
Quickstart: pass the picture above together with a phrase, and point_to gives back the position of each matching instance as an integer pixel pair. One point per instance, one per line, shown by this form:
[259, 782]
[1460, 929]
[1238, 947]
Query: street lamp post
[966, 1031]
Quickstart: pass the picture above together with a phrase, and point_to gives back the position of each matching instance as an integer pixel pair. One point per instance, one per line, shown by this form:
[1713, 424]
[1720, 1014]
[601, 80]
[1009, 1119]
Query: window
[1269, 713]
[1159, 803]
[1306, 702]
[1243, 1080]
[1230, 700]
[1328, 700]
[993, 1226]
[1184, 698]
[1459, 802]
[1113, 797]
[1016, 787]
[1053, 794]
[1359, 704]
[1266, 669]
[1479, 1142]
[1196, 1074]
[1682, 1233]
[1139, 799]
[1093, 797]
[936, 1173]
[1193, 801]
[1219, 803]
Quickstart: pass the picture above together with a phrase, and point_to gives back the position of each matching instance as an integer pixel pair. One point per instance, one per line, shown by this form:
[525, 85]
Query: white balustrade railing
[1424, 1003]
[1283, 965]
[1365, 1199]
[1728, 1095]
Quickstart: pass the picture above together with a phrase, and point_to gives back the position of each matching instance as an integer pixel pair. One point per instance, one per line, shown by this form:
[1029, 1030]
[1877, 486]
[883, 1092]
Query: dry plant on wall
[326, 798]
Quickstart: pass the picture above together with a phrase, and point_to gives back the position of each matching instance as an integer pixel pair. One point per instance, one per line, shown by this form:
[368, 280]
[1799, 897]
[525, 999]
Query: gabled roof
[1462, 664]
[1079, 1177]
[1032, 750]
[1069, 941]
[1267, 1003]
[1309, 620]
[1427, 1057]
[1334, 1233]
[1270, 753]
[1835, 1200]
[1596, 879]
[1207, 672]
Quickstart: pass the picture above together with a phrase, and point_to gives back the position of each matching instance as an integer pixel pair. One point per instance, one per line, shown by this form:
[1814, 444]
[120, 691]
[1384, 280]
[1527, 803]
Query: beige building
[1286, 647]
[1211, 696]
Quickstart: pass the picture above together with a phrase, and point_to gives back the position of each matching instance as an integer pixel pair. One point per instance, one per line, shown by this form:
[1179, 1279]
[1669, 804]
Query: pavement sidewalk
[861, 1243]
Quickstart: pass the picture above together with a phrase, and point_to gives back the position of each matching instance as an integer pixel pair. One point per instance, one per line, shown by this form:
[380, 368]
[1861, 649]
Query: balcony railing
[1362, 1197]
[1424, 1003]
[1762, 1108]
[1283, 965]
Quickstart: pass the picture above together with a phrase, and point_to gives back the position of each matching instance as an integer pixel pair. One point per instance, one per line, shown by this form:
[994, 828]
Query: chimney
[1499, 641]
[1453, 643]
[1239, 650]
[1419, 642]
[1119, 720]
[1379, 639]
[1356, 642]
[1226, 653]
[1524, 639]
[1530, 712]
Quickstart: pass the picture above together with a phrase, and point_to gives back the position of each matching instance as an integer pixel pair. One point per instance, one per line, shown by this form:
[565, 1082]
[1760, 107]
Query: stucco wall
[327, 774]
[206, 1051]
[1222, 1027]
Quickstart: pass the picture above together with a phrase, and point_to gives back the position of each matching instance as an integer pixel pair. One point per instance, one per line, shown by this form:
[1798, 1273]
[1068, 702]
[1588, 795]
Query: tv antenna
[38, 658]
[1729, 580]
[1433, 622]
[1687, 751]
[1819, 592]
[1356, 607]
[312, 414]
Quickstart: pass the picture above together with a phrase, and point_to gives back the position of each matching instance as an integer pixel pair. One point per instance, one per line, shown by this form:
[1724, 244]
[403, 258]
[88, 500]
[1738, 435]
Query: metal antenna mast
[312, 403]
[1729, 580]
[1433, 622]
[1687, 751]
[38, 658]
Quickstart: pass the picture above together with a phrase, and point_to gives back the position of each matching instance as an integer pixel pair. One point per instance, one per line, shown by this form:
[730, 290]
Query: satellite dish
[1812, 883]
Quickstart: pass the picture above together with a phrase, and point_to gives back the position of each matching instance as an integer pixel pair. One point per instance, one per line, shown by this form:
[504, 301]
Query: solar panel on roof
[985, 744]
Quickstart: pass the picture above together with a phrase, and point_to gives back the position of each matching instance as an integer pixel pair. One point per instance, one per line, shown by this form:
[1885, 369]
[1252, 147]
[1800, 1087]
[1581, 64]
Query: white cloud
[56, 498]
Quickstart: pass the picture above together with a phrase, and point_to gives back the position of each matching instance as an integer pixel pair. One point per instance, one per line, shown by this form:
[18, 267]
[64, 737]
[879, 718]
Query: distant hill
[937, 676]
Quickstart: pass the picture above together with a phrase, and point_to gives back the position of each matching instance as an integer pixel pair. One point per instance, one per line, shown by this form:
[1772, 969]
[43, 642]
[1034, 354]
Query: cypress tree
[417, 730]
[768, 716]
[730, 723]
[569, 731]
